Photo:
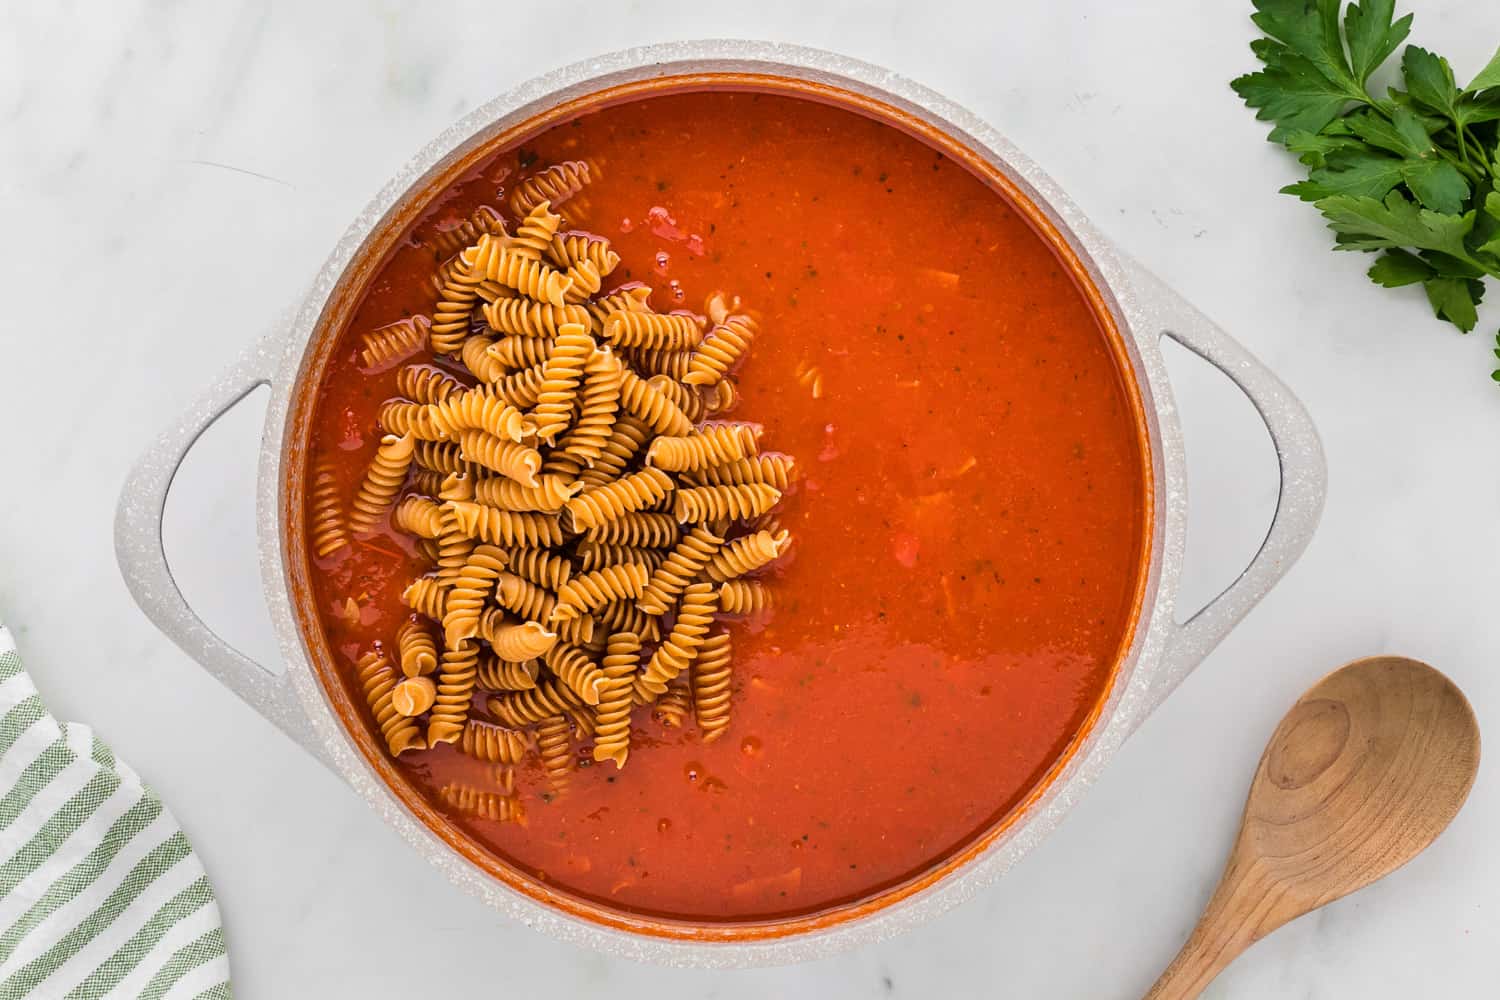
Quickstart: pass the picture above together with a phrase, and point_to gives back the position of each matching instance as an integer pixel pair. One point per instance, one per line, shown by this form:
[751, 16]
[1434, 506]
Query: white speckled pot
[1163, 652]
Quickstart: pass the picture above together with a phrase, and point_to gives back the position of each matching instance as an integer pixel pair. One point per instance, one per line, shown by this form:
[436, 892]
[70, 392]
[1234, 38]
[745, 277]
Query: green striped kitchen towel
[100, 893]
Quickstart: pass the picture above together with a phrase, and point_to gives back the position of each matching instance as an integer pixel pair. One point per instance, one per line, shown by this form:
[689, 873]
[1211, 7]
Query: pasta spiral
[704, 503]
[505, 675]
[393, 343]
[597, 405]
[476, 356]
[685, 562]
[516, 529]
[744, 597]
[533, 279]
[564, 370]
[513, 352]
[652, 362]
[654, 409]
[454, 545]
[416, 648]
[585, 281]
[613, 501]
[426, 383]
[554, 744]
[378, 678]
[521, 389]
[444, 457]
[554, 185]
[425, 482]
[688, 400]
[493, 744]
[510, 459]
[467, 595]
[447, 242]
[710, 683]
[648, 530]
[399, 416]
[525, 641]
[722, 397]
[413, 695]
[325, 514]
[624, 616]
[625, 440]
[577, 670]
[699, 602]
[476, 409]
[534, 235]
[519, 709]
[596, 555]
[712, 444]
[541, 567]
[746, 555]
[612, 718]
[589, 592]
[776, 469]
[524, 598]
[450, 317]
[569, 249]
[673, 703]
[548, 496]
[382, 482]
[525, 318]
[418, 516]
[426, 596]
[456, 674]
[470, 801]
[633, 297]
[673, 331]
[725, 344]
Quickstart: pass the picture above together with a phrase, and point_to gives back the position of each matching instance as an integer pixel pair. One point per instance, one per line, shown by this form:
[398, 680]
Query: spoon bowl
[1365, 771]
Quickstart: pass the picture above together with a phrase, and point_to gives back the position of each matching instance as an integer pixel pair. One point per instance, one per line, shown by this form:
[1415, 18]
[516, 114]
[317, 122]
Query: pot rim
[1131, 695]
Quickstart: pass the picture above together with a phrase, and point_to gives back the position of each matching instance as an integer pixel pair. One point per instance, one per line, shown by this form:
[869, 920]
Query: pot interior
[930, 674]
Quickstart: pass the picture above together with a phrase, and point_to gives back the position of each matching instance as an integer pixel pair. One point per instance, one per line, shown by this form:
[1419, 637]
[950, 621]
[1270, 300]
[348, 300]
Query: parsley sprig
[1415, 174]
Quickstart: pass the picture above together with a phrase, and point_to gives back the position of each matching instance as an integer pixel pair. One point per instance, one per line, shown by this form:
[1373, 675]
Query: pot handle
[143, 559]
[1299, 503]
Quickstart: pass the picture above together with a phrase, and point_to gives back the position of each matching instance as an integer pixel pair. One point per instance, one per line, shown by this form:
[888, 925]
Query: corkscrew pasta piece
[652, 362]
[444, 457]
[710, 678]
[686, 560]
[519, 642]
[744, 597]
[377, 678]
[413, 695]
[589, 592]
[694, 614]
[541, 567]
[496, 674]
[454, 545]
[577, 670]
[670, 331]
[393, 343]
[746, 554]
[425, 595]
[626, 495]
[626, 439]
[647, 530]
[597, 555]
[525, 318]
[426, 383]
[598, 404]
[416, 648]
[616, 695]
[424, 482]
[673, 703]
[513, 352]
[419, 516]
[554, 745]
[482, 364]
[455, 689]
[519, 709]
[548, 496]
[476, 409]
[534, 235]
[493, 744]
[400, 416]
[720, 351]
[704, 503]
[480, 804]
[381, 484]
[325, 514]
[654, 409]
[624, 616]
[533, 279]
[710, 445]
[525, 598]
[582, 631]
[521, 389]
[554, 185]
[511, 528]
[509, 458]
[585, 280]
[449, 241]
[466, 596]
[688, 400]
[569, 249]
[721, 397]
[776, 469]
[561, 377]
[450, 317]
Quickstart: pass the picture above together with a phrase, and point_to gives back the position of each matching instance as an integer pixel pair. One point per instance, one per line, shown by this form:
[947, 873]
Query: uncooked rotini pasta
[382, 482]
[377, 678]
[416, 648]
[393, 343]
[554, 185]
[585, 524]
[710, 445]
[326, 528]
[616, 695]
[705, 503]
[710, 683]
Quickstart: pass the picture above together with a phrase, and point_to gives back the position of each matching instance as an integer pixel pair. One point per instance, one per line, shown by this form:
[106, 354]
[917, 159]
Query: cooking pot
[312, 706]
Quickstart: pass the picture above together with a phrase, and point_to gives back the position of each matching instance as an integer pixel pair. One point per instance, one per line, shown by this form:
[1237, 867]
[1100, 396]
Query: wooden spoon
[1363, 773]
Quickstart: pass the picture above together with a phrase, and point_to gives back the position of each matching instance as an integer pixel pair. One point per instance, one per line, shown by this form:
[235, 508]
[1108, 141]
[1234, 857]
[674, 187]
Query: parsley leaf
[1368, 224]
[1488, 77]
[1396, 268]
[1429, 80]
[1372, 36]
[1456, 300]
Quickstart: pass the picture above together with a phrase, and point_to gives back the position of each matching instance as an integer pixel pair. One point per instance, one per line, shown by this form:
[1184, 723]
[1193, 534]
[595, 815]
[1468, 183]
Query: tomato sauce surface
[969, 530]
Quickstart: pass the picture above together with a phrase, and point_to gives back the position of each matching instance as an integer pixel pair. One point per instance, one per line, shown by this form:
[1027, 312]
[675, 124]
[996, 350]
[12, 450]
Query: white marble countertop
[170, 177]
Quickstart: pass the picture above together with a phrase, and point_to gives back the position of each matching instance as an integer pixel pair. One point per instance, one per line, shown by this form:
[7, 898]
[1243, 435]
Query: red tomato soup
[970, 525]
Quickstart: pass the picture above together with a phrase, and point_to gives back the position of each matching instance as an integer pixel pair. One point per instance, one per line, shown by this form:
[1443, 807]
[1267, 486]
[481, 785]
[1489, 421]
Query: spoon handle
[1235, 918]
